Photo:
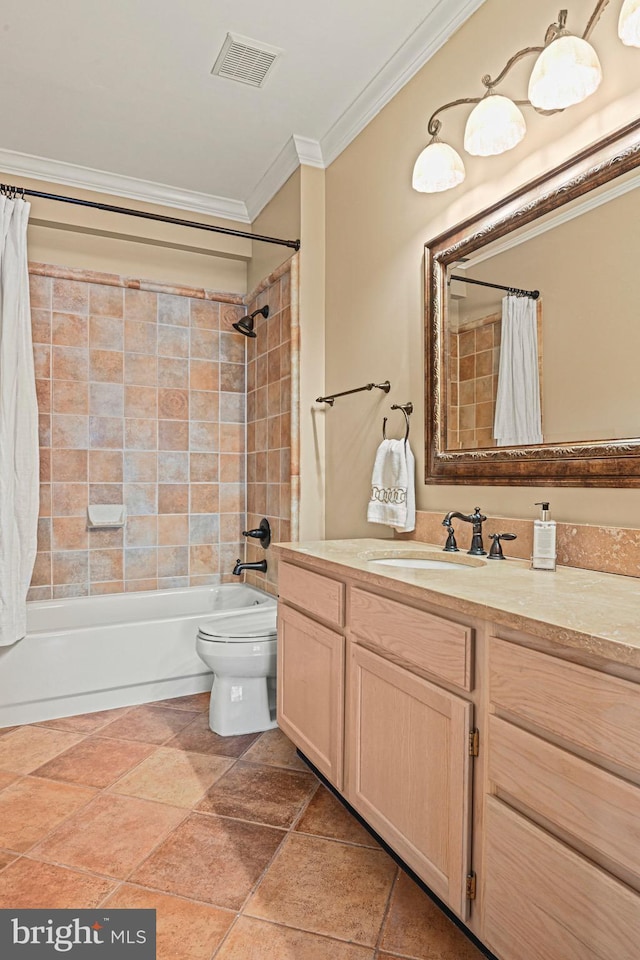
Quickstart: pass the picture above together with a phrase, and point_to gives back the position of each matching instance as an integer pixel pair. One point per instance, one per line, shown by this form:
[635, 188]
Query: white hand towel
[410, 522]
[388, 503]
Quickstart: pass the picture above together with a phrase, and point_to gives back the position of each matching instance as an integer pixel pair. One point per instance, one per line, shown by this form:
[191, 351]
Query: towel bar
[385, 385]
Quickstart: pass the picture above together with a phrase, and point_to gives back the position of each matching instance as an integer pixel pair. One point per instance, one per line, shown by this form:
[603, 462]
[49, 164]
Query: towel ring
[407, 409]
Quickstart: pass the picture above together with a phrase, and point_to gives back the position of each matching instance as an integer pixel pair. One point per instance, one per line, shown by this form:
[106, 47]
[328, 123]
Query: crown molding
[296, 151]
[429, 36]
[309, 152]
[86, 178]
[434, 31]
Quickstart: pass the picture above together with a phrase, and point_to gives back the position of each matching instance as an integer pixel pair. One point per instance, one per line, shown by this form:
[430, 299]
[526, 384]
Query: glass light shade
[566, 72]
[629, 23]
[495, 125]
[437, 168]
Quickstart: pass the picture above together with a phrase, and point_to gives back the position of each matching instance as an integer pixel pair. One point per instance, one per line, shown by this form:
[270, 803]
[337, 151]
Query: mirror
[570, 237]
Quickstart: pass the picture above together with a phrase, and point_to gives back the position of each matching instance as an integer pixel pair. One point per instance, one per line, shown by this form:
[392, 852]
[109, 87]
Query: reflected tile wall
[141, 395]
[474, 354]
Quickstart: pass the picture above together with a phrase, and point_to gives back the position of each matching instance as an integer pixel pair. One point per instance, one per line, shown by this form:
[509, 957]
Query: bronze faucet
[477, 519]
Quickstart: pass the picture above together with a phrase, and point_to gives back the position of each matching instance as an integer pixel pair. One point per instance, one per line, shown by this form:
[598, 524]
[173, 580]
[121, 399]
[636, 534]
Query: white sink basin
[420, 563]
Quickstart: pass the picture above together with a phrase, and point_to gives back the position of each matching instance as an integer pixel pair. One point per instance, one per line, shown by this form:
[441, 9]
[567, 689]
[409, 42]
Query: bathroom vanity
[484, 719]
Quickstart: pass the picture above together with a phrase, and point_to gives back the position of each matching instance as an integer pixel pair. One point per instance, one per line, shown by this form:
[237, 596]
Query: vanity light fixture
[495, 125]
[629, 23]
[567, 71]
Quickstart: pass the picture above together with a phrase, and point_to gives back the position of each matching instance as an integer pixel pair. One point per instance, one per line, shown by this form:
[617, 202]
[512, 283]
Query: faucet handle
[261, 533]
[495, 553]
[450, 546]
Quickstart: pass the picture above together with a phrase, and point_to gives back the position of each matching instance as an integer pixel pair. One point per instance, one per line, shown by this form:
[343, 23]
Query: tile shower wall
[272, 417]
[142, 401]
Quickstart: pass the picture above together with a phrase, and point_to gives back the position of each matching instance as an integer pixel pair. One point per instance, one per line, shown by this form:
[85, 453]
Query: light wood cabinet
[543, 901]
[403, 758]
[413, 636]
[310, 690]
[386, 695]
[408, 769]
[562, 832]
[320, 596]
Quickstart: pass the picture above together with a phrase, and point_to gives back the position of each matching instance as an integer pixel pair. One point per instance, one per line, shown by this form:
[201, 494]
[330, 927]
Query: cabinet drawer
[597, 712]
[318, 595]
[542, 901]
[417, 638]
[598, 809]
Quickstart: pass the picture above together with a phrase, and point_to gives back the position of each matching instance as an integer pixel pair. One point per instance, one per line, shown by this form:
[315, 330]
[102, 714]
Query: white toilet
[240, 649]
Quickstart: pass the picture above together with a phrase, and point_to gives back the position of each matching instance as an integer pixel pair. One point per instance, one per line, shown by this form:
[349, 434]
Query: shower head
[245, 324]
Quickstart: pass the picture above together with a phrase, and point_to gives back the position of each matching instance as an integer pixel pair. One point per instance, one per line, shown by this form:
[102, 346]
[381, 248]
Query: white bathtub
[97, 653]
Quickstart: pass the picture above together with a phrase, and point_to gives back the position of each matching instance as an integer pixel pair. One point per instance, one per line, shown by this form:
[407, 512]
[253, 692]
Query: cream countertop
[584, 609]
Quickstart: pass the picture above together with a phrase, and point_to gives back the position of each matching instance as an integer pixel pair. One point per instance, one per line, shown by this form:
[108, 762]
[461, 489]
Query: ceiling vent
[245, 60]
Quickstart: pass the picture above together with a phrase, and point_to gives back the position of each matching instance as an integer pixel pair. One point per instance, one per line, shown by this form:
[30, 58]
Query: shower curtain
[517, 418]
[19, 451]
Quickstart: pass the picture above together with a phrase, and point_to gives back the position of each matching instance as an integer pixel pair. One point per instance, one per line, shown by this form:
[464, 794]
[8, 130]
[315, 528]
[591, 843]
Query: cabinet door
[409, 769]
[543, 901]
[311, 690]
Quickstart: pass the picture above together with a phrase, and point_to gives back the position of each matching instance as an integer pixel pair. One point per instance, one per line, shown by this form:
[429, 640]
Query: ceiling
[126, 87]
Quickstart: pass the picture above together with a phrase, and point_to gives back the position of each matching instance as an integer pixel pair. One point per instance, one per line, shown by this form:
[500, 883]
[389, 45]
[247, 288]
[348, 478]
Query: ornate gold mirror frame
[610, 463]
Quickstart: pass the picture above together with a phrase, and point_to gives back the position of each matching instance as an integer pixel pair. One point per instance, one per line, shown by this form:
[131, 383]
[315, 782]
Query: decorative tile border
[114, 280]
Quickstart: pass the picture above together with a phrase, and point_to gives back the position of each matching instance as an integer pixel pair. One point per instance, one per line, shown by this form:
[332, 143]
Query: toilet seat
[244, 627]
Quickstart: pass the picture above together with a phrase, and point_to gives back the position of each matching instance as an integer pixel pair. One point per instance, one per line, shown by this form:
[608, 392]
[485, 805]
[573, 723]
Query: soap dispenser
[544, 540]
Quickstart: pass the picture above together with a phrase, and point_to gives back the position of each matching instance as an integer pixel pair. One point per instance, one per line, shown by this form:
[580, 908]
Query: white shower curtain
[19, 451]
[517, 418]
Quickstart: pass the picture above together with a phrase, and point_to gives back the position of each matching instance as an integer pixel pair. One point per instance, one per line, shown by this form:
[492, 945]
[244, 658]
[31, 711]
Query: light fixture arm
[490, 84]
[566, 71]
[593, 19]
[555, 29]
[434, 126]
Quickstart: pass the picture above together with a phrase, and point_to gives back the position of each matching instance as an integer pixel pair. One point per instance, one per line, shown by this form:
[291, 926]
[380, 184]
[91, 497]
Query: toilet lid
[239, 626]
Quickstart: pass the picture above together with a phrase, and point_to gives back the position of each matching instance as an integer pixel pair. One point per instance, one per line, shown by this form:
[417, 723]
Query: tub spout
[260, 565]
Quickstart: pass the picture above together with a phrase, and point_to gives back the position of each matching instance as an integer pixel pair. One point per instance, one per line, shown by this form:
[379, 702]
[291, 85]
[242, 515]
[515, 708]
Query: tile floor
[239, 848]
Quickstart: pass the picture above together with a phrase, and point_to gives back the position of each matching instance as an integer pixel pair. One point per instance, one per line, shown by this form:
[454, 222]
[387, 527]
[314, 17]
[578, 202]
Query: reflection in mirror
[573, 236]
[582, 263]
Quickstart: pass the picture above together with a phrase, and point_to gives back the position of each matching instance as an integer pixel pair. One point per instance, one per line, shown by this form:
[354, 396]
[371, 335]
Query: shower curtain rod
[534, 294]
[110, 208]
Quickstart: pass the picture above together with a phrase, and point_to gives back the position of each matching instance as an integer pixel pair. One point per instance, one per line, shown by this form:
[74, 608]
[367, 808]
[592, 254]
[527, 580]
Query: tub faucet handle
[261, 533]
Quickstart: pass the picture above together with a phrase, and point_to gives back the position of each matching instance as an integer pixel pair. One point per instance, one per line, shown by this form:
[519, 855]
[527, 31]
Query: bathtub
[97, 653]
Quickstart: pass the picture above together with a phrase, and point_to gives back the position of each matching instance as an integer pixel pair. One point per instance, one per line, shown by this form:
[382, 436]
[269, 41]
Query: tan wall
[298, 210]
[87, 239]
[377, 226]
[312, 354]
[280, 218]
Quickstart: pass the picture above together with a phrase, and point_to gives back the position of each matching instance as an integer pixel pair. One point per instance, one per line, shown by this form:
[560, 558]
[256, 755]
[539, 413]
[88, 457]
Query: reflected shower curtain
[19, 450]
[517, 418]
